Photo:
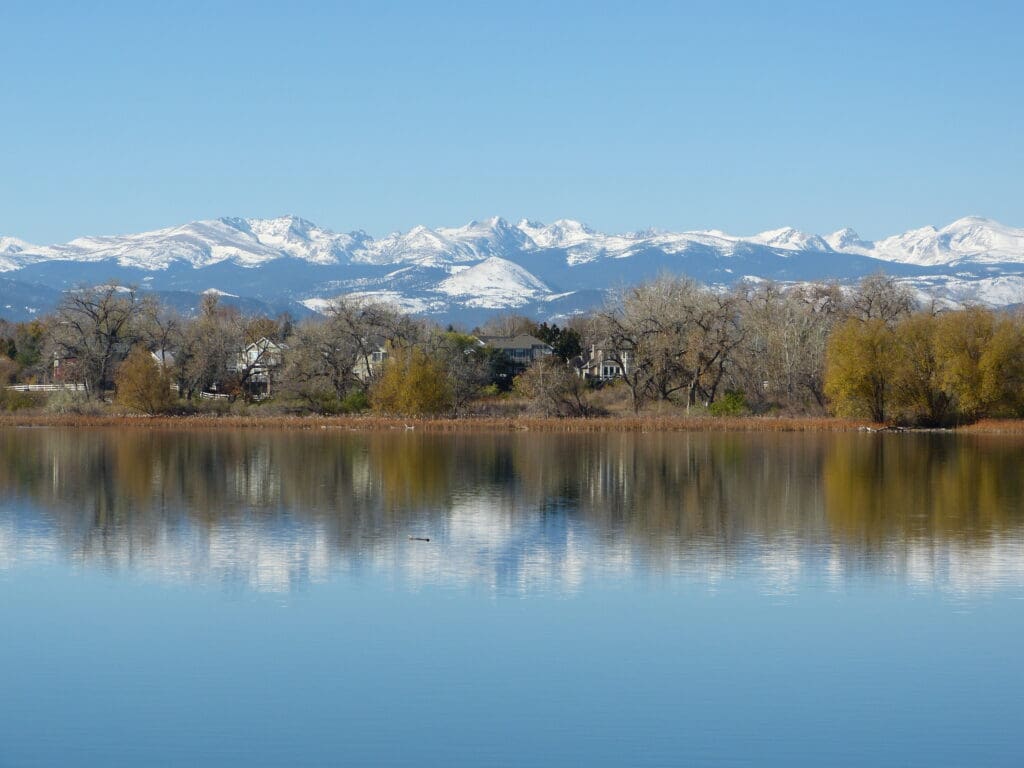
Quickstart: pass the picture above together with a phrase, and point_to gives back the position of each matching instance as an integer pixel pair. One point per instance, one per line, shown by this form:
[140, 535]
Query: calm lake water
[254, 598]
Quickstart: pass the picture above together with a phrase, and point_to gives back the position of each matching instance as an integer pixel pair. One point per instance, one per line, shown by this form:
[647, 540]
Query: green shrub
[354, 402]
[731, 404]
[12, 400]
[79, 403]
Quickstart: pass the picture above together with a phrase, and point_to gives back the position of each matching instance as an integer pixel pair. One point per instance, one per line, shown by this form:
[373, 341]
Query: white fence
[81, 388]
[46, 387]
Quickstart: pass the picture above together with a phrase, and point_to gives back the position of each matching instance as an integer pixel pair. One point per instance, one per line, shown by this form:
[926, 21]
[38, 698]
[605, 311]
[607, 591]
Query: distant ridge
[483, 266]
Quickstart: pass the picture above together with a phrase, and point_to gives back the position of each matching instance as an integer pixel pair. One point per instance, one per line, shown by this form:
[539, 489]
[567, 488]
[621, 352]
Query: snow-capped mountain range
[464, 272]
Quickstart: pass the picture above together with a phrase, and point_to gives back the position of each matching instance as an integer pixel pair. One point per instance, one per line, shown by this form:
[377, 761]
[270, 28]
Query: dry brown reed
[468, 424]
[996, 427]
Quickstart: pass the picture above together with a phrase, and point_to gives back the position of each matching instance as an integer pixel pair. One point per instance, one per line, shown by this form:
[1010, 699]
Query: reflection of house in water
[256, 480]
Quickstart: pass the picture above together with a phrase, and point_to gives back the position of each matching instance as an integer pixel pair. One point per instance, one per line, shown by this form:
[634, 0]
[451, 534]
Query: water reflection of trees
[923, 487]
[106, 493]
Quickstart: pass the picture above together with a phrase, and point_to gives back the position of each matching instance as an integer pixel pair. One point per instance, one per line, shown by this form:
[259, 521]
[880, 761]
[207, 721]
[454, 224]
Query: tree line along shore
[666, 354]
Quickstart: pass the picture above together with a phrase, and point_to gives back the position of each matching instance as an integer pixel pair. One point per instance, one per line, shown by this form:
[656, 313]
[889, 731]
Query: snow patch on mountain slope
[411, 305]
[495, 282]
[996, 291]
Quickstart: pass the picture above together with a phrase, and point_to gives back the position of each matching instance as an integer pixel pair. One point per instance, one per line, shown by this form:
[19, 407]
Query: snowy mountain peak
[971, 238]
[495, 226]
[973, 234]
[494, 237]
[296, 225]
[570, 225]
[11, 251]
[302, 239]
[790, 239]
[847, 239]
[561, 233]
[966, 222]
[645, 234]
[9, 246]
[498, 223]
[235, 222]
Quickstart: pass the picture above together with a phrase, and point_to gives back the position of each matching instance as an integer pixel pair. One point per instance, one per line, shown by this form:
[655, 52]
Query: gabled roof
[522, 341]
[264, 343]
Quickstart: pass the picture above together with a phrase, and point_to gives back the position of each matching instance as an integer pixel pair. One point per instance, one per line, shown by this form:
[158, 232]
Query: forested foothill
[669, 346]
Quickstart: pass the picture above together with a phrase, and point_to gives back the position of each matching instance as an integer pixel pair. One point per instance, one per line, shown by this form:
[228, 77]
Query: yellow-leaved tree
[918, 394]
[142, 384]
[859, 367]
[961, 339]
[411, 384]
[1002, 368]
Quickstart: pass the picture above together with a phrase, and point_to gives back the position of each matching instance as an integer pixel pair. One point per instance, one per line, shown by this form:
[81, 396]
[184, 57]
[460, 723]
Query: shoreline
[364, 423]
[607, 424]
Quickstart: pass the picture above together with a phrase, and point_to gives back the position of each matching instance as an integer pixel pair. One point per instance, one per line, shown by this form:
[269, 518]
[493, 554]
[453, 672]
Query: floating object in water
[418, 538]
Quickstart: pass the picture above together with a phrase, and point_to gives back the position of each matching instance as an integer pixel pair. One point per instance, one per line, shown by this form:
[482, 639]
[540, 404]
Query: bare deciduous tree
[465, 364]
[209, 344]
[92, 331]
[881, 297]
[507, 325]
[554, 389]
[783, 355]
[331, 357]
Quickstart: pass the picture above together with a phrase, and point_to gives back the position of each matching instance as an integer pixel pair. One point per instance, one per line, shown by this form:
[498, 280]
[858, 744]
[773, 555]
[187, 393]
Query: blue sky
[739, 116]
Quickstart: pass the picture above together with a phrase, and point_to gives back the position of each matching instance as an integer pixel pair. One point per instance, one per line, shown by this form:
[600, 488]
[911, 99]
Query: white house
[256, 364]
[604, 364]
